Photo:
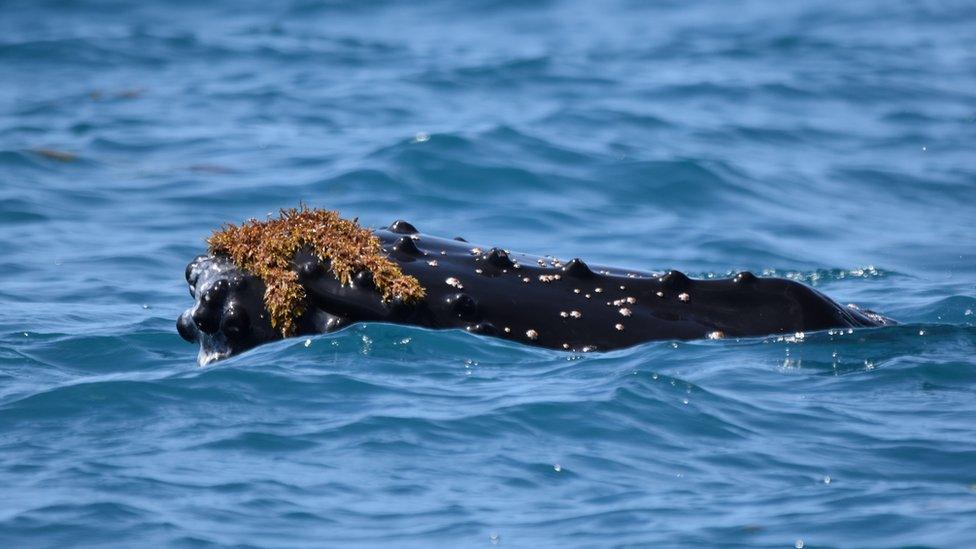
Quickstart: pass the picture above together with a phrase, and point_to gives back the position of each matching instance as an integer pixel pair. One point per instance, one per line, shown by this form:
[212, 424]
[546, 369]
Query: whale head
[229, 315]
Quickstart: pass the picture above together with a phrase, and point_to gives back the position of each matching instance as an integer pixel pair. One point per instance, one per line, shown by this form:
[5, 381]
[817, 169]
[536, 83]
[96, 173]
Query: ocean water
[827, 141]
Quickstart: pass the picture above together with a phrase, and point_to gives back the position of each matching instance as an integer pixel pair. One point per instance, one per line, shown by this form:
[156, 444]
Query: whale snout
[228, 316]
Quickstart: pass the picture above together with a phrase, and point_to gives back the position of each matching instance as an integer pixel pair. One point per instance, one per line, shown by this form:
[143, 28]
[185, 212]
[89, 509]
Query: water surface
[830, 142]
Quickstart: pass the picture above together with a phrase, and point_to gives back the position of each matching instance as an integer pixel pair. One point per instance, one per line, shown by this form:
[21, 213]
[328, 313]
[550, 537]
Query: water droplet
[308, 342]
[421, 137]
[921, 332]
[557, 468]
[798, 544]
[826, 479]
[532, 334]
[494, 538]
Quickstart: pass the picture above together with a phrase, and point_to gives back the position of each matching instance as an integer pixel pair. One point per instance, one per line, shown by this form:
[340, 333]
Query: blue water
[827, 141]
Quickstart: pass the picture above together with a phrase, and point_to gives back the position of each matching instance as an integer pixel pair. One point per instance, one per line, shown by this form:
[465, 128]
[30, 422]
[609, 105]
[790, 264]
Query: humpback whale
[544, 301]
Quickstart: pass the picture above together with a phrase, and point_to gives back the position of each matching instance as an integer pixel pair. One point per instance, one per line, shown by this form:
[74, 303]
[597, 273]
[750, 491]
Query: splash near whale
[310, 272]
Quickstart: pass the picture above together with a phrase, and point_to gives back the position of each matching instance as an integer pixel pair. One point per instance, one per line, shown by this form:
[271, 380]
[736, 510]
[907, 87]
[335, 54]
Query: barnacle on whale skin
[267, 249]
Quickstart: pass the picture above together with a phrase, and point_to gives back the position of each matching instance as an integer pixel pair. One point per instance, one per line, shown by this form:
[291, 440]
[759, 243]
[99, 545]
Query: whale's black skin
[535, 300]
